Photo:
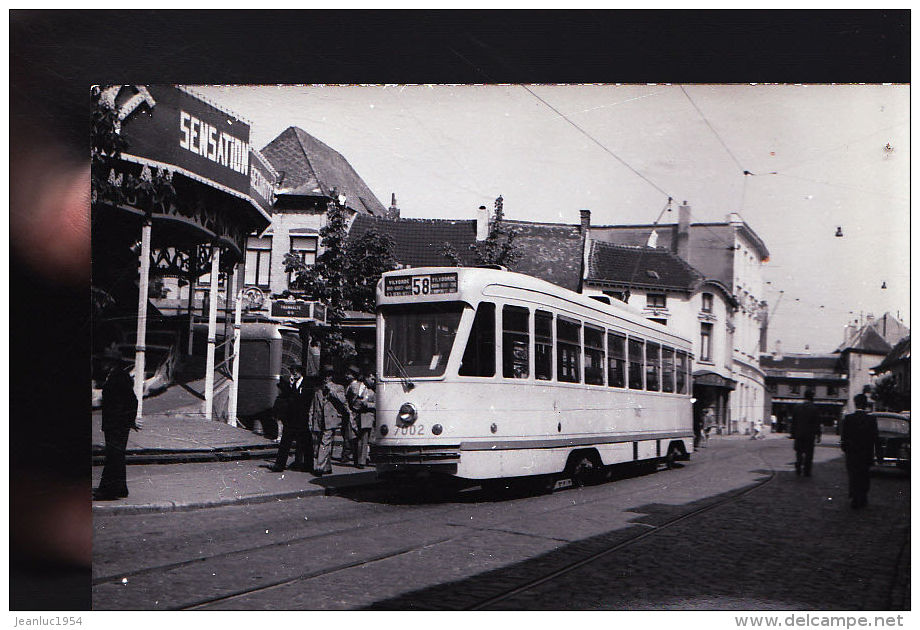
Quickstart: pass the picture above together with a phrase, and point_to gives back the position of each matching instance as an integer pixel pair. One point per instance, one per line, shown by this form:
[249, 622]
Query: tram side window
[568, 350]
[594, 355]
[616, 360]
[636, 358]
[652, 367]
[479, 356]
[515, 342]
[681, 372]
[667, 369]
[543, 346]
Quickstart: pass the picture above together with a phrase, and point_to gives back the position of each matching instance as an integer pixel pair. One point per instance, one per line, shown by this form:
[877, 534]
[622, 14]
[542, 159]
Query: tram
[487, 374]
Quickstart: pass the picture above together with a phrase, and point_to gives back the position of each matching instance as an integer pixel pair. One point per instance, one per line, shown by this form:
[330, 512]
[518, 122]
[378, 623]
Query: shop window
[304, 248]
[543, 346]
[515, 342]
[667, 369]
[636, 363]
[707, 302]
[479, 356]
[568, 350]
[652, 367]
[655, 300]
[258, 261]
[594, 355]
[705, 342]
[616, 360]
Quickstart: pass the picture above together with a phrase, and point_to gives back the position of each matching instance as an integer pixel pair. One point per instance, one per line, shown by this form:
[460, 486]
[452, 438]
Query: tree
[498, 248]
[344, 276]
[888, 395]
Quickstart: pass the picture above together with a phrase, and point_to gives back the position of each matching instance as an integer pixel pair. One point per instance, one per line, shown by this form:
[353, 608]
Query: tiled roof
[551, 252]
[646, 267]
[900, 352]
[803, 362]
[312, 168]
[867, 339]
[420, 242]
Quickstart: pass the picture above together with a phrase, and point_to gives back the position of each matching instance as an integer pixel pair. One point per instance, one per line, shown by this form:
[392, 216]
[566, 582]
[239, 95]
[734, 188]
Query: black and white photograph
[492, 345]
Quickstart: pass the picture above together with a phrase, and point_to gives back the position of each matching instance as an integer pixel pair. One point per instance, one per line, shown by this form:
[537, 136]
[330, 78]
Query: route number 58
[421, 286]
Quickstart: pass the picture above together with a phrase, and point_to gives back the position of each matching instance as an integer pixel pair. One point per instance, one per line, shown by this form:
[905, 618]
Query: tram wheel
[670, 460]
[586, 469]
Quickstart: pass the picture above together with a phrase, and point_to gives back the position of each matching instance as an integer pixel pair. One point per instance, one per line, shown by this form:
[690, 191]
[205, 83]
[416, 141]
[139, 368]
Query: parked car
[894, 439]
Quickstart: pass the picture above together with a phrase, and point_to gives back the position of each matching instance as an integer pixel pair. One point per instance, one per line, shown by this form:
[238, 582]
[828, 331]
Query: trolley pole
[212, 333]
[235, 385]
[140, 347]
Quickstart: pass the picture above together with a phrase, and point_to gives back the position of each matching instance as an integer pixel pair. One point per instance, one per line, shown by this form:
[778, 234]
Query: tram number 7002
[412, 429]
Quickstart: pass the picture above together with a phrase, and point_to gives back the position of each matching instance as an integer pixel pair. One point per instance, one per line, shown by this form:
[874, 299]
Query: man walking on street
[806, 430]
[859, 441]
[119, 412]
[325, 417]
[296, 425]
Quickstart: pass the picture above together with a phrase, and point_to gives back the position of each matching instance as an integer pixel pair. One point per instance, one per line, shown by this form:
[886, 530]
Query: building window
[568, 350]
[258, 261]
[304, 248]
[705, 342]
[479, 356]
[832, 390]
[594, 355]
[795, 388]
[655, 300]
[771, 387]
[515, 342]
[707, 302]
[616, 360]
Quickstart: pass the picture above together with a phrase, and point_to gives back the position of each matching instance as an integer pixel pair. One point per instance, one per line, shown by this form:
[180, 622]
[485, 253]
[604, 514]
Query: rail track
[441, 511]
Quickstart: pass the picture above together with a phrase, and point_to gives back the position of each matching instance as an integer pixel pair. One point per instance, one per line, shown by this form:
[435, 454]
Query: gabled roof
[641, 267]
[900, 352]
[420, 242]
[867, 340]
[551, 252]
[312, 169]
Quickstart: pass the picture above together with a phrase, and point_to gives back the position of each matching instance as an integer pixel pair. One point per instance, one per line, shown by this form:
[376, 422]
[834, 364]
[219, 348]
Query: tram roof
[477, 278]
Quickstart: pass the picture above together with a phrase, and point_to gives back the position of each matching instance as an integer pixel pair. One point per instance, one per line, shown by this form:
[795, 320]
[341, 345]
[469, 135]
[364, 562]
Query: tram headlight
[436, 429]
[407, 415]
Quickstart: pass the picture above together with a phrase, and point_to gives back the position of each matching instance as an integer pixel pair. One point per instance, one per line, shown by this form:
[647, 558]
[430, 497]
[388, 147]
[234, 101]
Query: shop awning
[712, 379]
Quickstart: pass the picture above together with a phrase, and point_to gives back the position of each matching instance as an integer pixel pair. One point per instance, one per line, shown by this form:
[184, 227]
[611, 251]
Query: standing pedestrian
[806, 430]
[325, 417]
[757, 432]
[859, 441]
[119, 412]
[363, 409]
[349, 426]
[296, 429]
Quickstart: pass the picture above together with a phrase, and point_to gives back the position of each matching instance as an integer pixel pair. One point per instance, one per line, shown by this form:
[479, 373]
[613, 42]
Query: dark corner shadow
[733, 550]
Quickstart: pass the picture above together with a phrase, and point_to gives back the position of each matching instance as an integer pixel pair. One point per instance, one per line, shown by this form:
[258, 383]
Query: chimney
[652, 239]
[585, 221]
[778, 353]
[682, 248]
[482, 223]
[393, 211]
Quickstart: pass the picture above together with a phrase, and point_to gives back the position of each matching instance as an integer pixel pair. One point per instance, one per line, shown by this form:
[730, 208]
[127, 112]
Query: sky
[820, 156]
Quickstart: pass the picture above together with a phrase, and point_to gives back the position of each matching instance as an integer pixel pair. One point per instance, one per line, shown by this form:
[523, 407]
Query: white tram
[486, 374]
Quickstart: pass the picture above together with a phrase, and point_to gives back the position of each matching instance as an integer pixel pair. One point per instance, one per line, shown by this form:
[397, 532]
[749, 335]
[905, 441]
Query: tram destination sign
[427, 284]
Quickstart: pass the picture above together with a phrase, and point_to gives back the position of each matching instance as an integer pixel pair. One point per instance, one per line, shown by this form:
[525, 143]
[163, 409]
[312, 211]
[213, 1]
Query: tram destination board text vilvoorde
[433, 284]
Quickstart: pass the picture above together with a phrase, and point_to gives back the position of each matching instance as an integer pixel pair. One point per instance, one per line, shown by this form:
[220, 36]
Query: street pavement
[790, 544]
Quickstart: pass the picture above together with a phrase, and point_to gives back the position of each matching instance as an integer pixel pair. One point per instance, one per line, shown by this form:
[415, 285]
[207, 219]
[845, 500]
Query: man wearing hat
[296, 424]
[119, 411]
[806, 430]
[349, 420]
[325, 417]
[859, 441]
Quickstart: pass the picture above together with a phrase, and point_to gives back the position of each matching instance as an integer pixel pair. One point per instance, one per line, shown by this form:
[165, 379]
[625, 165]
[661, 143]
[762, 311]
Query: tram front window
[418, 338]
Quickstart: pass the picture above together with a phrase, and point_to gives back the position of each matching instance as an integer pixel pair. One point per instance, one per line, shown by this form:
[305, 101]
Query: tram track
[367, 560]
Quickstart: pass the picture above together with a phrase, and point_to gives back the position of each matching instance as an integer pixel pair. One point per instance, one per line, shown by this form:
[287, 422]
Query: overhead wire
[715, 133]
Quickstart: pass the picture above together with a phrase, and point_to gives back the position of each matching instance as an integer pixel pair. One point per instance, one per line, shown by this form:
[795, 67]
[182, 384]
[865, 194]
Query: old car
[894, 439]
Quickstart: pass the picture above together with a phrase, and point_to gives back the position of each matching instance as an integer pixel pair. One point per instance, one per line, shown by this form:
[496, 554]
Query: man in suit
[119, 411]
[806, 430]
[859, 441]
[362, 402]
[296, 425]
[325, 417]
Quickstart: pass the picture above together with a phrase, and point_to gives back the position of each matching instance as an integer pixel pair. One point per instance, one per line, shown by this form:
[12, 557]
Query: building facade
[789, 376]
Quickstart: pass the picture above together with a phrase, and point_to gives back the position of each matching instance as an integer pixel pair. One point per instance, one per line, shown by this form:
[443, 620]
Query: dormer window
[707, 302]
[655, 300]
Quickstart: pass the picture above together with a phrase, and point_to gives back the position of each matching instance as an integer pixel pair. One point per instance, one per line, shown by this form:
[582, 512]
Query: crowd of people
[313, 407]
